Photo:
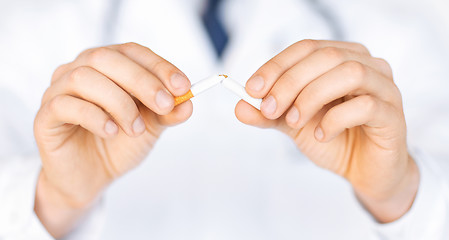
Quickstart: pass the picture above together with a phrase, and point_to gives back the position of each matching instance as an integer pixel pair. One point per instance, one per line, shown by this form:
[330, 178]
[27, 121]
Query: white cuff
[428, 218]
[18, 179]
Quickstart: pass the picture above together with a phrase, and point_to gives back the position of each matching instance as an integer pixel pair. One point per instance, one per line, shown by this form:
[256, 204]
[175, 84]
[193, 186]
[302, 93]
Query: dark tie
[215, 27]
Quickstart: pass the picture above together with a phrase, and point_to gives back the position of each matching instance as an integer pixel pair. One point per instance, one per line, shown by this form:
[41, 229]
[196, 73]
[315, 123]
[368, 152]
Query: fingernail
[256, 84]
[164, 100]
[138, 125]
[178, 81]
[292, 116]
[268, 105]
[319, 133]
[110, 128]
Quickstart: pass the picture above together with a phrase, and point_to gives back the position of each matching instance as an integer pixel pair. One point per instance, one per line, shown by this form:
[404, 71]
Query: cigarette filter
[240, 91]
[200, 87]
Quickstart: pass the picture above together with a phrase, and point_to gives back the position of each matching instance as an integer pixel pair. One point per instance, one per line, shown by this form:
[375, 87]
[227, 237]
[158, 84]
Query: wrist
[64, 198]
[58, 212]
[393, 202]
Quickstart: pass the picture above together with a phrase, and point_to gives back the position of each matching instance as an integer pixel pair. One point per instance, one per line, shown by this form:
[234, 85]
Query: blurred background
[38, 36]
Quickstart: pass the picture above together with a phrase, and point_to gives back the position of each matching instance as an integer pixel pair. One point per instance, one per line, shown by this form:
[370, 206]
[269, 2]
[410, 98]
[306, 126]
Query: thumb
[247, 114]
[178, 115]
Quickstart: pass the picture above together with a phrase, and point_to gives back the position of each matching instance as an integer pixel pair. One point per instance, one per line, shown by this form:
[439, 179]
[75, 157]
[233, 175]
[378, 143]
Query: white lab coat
[213, 177]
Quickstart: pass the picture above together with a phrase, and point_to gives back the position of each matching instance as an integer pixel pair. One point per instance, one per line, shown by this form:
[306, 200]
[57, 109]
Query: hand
[99, 118]
[344, 112]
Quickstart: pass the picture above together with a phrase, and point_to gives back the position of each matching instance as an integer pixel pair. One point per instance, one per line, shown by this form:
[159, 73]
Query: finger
[132, 77]
[92, 86]
[172, 78]
[65, 109]
[383, 66]
[348, 79]
[247, 114]
[60, 71]
[361, 110]
[287, 87]
[180, 114]
[263, 79]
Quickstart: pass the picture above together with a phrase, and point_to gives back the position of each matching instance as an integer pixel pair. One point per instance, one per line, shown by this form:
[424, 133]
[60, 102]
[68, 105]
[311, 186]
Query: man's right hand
[99, 118]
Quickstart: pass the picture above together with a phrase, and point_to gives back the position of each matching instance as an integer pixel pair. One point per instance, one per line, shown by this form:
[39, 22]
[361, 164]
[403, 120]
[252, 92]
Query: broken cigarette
[200, 87]
[227, 82]
[240, 91]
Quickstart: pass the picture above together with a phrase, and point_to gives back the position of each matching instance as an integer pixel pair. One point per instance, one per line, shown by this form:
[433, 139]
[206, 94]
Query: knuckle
[396, 97]
[159, 65]
[165, 68]
[85, 52]
[330, 119]
[361, 48]
[384, 65]
[382, 61]
[274, 66]
[86, 111]
[334, 53]
[288, 78]
[313, 93]
[46, 96]
[309, 44]
[301, 106]
[59, 71]
[78, 74]
[97, 55]
[128, 47]
[127, 109]
[356, 71]
[39, 123]
[125, 47]
[55, 103]
[306, 107]
[368, 103]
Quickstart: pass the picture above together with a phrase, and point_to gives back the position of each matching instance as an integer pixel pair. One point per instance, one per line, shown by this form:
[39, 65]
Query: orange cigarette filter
[200, 87]
[183, 98]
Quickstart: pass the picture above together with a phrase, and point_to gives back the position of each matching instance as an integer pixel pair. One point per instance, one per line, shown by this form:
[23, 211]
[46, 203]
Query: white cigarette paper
[227, 82]
[240, 91]
[206, 84]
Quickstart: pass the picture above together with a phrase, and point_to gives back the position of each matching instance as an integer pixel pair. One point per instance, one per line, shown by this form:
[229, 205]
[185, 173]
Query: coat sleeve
[18, 179]
[428, 217]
